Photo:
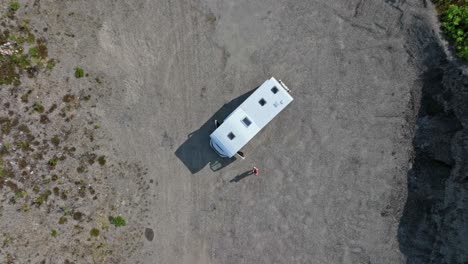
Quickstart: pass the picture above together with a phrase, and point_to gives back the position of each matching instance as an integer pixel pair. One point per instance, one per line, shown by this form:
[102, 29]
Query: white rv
[250, 117]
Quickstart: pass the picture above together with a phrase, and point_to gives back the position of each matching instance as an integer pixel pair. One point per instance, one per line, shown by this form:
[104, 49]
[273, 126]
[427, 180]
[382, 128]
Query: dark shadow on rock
[196, 151]
[241, 176]
[433, 222]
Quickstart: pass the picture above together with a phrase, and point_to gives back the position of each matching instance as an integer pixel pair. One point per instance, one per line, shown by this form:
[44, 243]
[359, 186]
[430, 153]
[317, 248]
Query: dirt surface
[333, 165]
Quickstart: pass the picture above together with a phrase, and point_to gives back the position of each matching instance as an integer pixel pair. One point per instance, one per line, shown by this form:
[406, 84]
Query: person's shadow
[241, 176]
[196, 151]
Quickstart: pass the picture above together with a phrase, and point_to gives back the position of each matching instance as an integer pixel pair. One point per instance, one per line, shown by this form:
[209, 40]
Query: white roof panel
[260, 108]
[242, 134]
[275, 103]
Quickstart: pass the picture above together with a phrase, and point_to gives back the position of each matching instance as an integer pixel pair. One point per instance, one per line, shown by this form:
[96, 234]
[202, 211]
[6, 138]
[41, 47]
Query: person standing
[255, 171]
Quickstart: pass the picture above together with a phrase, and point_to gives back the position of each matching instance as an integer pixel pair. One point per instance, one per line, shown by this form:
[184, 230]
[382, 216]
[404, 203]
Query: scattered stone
[149, 234]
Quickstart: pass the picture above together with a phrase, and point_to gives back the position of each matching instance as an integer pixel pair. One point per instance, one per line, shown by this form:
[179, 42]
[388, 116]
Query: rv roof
[251, 116]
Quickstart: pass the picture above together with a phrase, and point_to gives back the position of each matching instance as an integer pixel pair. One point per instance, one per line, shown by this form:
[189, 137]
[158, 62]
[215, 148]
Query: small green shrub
[25, 98]
[102, 160]
[21, 60]
[23, 145]
[51, 64]
[41, 199]
[55, 140]
[94, 232]
[34, 52]
[2, 169]
[80, 169]
[52, 162]
[38, 107]
[62, 220]
[79, 72]
[14, 6]
[117, 221]
[211, 18]
[30, 38]
[54, 233]
[6, 146]
[455, 25]
[24, 128]
[454, 18]
[24, 207]
[21, 194]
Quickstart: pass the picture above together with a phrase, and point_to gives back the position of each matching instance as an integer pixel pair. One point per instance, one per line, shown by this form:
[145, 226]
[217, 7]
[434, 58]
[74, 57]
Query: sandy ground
[333, 165]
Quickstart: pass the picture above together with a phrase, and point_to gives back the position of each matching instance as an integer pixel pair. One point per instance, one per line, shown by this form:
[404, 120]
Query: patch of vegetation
[12, 66]
[24, 128]
[68, 98]
[37, 156]
[55, 140]
[211, 18]
[22, 61]
[51, 64]
[4, 149]
[38, 107]
[26, 37]
[44, 119]
[36, 188]
[94, 232]
[14, 6]
[42, 49]
[21, 194]
[52, 108]
[117, 221]
[79, 72]
[6, 125]
[2, 169]
[52, 162]
[102, 160]
[454, 18]
[25, 97]
[64, 195]
[7, 240]
[23, 145]
[62, 220]
[56, 191]
[54, 233]
[91, 157]
[34, 52]
[82, 191]
[24, 207]
[41, 199]
[8, 72]
[22, 164]
[80, 169]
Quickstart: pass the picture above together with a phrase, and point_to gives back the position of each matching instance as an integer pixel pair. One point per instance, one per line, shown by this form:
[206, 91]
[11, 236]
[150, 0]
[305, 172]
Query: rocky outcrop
[433, 228]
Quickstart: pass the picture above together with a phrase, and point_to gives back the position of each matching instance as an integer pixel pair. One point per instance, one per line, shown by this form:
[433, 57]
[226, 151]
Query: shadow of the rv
[196, 152]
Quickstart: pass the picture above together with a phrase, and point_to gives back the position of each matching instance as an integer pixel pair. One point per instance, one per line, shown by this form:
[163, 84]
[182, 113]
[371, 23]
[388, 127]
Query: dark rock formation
[434, 224]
